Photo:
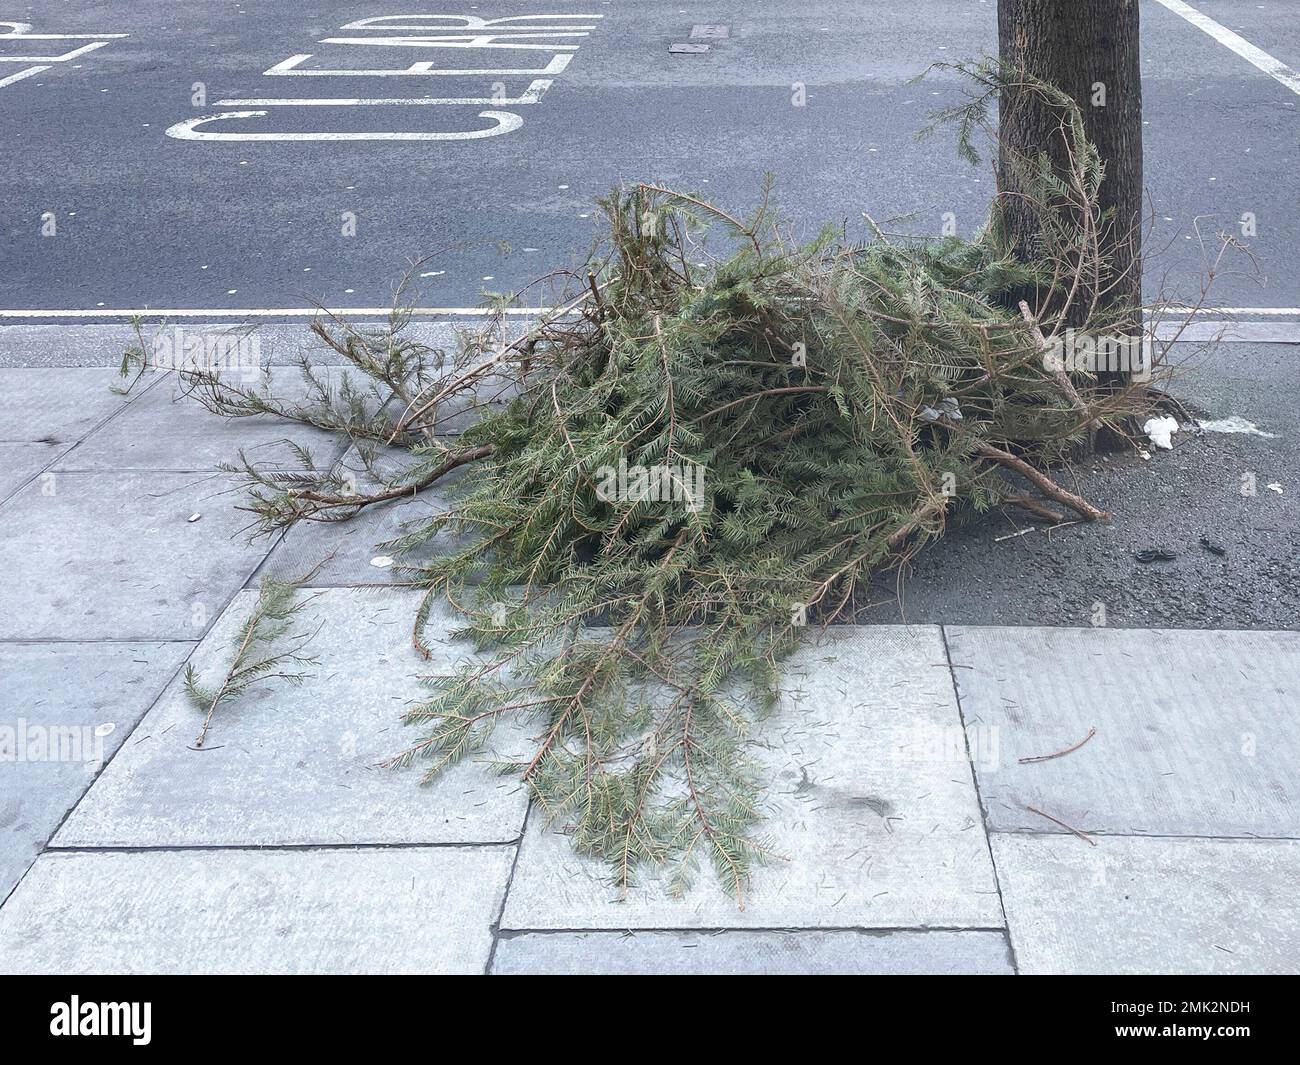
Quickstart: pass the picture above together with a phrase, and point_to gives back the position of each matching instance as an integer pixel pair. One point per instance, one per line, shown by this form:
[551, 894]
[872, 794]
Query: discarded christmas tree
[683, 470]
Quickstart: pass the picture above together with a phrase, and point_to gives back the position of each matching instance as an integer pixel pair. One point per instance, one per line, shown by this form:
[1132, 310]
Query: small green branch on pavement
[254, 660]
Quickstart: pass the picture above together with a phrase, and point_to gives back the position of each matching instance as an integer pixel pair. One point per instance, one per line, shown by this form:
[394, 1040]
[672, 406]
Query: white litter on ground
[1159, 430]
[1275, 487]
[1232, 425]
[381, 561]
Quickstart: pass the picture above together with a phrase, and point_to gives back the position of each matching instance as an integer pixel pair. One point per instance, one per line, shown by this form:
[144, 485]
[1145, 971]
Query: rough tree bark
[1086, 48]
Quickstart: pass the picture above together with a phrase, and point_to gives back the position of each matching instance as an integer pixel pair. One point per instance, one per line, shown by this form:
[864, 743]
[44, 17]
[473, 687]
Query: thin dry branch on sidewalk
[1069, 828]
[1059, 754]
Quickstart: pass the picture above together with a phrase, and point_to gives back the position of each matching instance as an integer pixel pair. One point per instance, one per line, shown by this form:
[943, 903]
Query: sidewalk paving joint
[979, 798]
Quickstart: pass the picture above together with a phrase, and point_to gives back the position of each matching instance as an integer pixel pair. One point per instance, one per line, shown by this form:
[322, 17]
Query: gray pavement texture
[159, 576]
[159, 431]
[413, 910]
[70, 706]
[1195, 732]
[102, 345]
[317, 754]
[745, 953]
[19, 463]
[1132, 905]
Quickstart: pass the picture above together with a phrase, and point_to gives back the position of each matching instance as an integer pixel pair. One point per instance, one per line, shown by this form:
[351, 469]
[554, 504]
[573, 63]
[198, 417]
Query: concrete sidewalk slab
[65, 708]
[66, 345]
[19, 463]
[101, 345]
[744, 953]
[873, 808]
[399, 910]
[113, 556]
[290, 765]
[1196, 731]
[57, 405]
[169, 430]
[1150, 905]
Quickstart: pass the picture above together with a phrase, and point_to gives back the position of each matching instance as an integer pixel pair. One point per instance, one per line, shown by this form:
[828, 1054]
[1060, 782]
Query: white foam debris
[1159, 431]
[381, 561]
[1232, 425]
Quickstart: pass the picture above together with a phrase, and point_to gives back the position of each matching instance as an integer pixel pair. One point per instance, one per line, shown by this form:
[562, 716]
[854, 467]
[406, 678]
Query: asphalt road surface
[123, 189]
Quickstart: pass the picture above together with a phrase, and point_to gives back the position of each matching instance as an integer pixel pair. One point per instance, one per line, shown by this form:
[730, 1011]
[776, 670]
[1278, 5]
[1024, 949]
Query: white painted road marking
[272, 312]
[487, 40]
[1257, 57]
[20, 75]
[64, 57]
[288, 69]
[1234, 310]
[482, 35]
[18, 31]
[530, 95]
[50, 58]
[189, 131]
[464, 22]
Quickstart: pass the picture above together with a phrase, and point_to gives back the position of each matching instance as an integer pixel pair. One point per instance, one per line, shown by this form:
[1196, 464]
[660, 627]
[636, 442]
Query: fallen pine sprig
[255, 658]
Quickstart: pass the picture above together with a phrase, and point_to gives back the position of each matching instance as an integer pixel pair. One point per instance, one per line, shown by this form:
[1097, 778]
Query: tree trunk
[1089, 49]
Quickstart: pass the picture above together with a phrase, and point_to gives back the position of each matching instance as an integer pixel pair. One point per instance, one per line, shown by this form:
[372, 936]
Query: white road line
[20, 75]
[506, 122]
[1235, 310]
[51, 58]
[464, 41]
[531, 95]
[287, 68]
[1257, 57]
[467, 22]
[267, 312]
[17, 32]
